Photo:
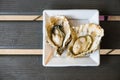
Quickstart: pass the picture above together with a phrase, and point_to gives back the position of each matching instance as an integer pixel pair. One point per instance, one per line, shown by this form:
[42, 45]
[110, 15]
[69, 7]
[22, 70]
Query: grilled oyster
[82, 44]
[58, 33]
[86, 39]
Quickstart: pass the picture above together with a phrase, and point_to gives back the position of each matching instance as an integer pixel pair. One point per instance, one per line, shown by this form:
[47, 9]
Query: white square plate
[75, 17]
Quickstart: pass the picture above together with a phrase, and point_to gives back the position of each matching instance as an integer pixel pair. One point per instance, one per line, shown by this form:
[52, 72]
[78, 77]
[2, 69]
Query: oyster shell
[82, 44]
[86, 39]
[58, 33]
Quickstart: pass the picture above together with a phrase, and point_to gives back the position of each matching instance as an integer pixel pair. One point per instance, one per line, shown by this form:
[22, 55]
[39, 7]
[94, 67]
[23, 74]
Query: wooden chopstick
[40, 52]
[40, 18]
[50, 55]
[109, 18]
[113, 18]
[18, 17]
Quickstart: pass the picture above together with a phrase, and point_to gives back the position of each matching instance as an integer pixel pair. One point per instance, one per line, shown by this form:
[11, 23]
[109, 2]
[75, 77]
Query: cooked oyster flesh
[58, 33]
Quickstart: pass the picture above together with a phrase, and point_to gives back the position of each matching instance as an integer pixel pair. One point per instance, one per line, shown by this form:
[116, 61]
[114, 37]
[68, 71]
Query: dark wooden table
[28, 35]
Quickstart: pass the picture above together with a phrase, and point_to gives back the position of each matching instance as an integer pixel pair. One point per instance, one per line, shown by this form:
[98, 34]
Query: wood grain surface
[36, 7]
[31, 68]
